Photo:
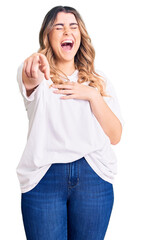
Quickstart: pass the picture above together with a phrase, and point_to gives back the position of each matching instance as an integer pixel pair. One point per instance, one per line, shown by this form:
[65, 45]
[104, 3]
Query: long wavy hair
[84, 58]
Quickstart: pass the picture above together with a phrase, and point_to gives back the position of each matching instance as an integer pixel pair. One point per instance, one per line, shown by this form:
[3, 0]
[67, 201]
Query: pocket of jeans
[31, 190]
[97, 175]
[34, 187]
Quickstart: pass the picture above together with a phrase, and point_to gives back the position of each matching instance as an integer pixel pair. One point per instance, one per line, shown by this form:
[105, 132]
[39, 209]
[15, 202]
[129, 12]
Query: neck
[66, 67]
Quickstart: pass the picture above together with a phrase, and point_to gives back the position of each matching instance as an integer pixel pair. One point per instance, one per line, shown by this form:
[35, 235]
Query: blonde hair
[84, 58]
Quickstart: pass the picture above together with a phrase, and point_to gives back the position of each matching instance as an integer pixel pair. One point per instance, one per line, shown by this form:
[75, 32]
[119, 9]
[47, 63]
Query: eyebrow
[63, 24]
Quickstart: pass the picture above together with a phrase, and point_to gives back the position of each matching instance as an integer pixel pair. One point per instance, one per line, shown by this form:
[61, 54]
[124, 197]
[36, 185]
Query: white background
[114, 27]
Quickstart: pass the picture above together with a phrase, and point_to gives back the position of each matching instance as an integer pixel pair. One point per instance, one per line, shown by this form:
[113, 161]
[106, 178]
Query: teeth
[67, 41]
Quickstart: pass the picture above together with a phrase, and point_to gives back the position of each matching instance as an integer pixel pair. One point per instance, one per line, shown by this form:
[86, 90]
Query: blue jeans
[70, 202]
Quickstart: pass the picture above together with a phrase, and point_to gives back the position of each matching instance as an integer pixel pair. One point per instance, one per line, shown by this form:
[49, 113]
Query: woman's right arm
[34, 69]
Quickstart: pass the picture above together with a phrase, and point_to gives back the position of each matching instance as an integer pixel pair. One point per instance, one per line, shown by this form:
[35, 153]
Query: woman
[67, 169]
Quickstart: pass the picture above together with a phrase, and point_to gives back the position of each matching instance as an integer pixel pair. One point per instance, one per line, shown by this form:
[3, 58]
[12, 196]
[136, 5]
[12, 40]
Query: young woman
[67, 168]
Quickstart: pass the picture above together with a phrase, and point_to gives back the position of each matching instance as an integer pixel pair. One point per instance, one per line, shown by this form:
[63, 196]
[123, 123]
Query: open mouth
[67, 46]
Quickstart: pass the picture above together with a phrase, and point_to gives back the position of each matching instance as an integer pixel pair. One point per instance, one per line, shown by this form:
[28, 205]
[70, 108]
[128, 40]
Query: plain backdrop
[114, 28]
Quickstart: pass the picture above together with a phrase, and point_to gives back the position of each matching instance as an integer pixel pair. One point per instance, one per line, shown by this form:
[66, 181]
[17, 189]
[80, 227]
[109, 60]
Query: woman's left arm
[106, 118]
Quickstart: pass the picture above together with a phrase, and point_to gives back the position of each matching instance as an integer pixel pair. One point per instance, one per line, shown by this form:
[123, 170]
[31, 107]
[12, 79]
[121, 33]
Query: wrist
[94, 95]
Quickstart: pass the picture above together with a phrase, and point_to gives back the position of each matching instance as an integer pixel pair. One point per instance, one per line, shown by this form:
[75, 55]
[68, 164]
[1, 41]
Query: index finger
[44, 66]
[64, 85]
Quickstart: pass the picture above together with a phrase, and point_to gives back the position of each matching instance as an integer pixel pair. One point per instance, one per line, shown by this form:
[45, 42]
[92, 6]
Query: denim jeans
[70, 202]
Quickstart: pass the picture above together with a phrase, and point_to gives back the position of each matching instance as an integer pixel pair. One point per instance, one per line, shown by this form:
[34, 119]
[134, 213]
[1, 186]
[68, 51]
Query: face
[65, 37]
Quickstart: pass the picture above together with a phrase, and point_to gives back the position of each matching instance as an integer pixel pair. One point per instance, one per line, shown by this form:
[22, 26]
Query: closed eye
[62, 28]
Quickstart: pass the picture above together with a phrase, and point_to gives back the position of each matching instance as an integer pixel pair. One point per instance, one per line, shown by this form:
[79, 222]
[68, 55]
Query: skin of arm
[107, 119]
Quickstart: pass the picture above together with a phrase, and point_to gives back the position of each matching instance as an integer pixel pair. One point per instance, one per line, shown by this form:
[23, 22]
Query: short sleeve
[33, 95]
[112, 101]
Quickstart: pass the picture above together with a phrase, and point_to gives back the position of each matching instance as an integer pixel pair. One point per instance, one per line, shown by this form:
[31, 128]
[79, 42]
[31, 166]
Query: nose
[67, 31]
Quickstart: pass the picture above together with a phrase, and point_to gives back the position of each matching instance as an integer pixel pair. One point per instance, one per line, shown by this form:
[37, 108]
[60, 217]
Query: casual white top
[62, 131]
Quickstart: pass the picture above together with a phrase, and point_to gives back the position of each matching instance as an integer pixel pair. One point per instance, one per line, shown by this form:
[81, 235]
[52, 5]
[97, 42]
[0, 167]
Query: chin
[68, 58]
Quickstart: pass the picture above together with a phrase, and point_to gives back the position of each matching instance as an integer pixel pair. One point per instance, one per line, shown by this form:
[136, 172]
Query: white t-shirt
[62, 131]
